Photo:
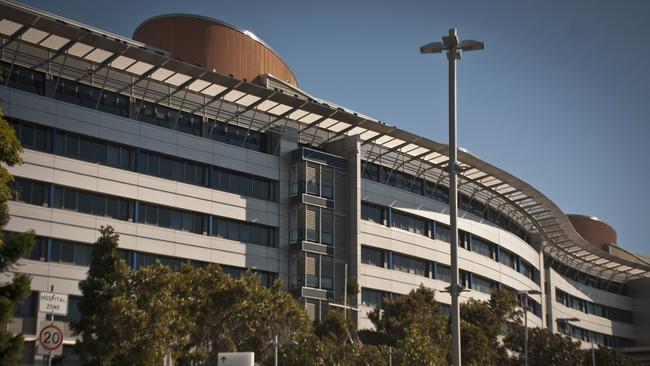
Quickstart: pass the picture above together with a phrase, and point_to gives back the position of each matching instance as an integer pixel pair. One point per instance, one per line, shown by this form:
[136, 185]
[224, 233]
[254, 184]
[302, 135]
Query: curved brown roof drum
[214, 45]
[593, 230]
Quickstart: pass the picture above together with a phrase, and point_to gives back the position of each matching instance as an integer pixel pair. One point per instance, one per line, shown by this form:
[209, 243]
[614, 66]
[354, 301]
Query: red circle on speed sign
[50, 337]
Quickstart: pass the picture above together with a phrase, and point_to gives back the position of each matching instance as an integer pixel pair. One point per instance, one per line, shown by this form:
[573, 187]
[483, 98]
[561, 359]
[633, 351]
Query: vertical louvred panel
[341, 194]
[327, 267]
[311, 264]
[327, 182]
[327, 226]
[341, 239]
[311, 217]
[312, 173]
[313, 178]
[310, 306]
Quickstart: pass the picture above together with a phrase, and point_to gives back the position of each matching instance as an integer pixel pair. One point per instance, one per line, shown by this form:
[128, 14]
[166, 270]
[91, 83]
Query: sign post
[50, 333]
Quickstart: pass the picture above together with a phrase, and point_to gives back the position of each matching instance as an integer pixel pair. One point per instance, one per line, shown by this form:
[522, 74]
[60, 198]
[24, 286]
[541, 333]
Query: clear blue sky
[560, 97]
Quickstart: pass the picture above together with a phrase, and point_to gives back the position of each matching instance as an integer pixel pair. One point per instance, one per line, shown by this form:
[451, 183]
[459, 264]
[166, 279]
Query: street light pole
[524, 295]
[453, 48]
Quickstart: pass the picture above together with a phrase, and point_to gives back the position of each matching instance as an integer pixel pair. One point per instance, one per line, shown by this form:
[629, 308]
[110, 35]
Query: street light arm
[433, 47]
[471, 45]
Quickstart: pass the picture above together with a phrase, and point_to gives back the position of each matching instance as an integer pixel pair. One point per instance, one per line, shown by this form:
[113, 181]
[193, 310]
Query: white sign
[52, 303]
[50, 338]
[236, 358]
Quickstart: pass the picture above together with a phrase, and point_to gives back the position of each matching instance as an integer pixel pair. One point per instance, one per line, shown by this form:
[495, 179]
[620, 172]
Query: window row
[423, 187]
[69, 252]
[430, 269]
[104, 100]
[439, 231]
[119, 156]
[37, 193]
[593, 308]
[585, 278]
[589, 335]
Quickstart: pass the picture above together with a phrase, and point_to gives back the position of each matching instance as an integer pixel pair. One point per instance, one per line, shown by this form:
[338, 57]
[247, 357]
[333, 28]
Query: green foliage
[12, 248]
[104, 328]
[194, 313]
[608, 356]
[414, 324]
[228, 315]
[481, 325]
[544, 348]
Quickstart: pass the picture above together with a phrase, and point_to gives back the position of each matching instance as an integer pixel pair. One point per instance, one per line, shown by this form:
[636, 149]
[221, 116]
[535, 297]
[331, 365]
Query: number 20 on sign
[50, 338]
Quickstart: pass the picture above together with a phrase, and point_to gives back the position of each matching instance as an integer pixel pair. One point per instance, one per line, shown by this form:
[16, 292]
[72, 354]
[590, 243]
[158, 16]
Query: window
[442, 232]
[39, 251]
[235, 135]
[243, 184]
[372, 256]
[482, 284]
[64, 251]
[93, 150]
[168, 167]
[443, 273]
[372, 213]
[92, 97]
[23, 78]
[507, 258]
[327, 182]
[370, 171]
[31, 136]
[243, 231]
[373, 298]
[409, 265]
[313, 178]
[30, 191]
[312, 216]
[90, 203]
[409, 223]
[171, 218]
[481, 247]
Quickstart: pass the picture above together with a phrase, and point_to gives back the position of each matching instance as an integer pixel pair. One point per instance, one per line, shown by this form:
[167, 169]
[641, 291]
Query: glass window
[371, 297]
[442, 232]
[409, 265]
[372, 213]
[481, 247]
[443, 273]
[507, 258]
[408, 223]
[482, 284]
[372, 256]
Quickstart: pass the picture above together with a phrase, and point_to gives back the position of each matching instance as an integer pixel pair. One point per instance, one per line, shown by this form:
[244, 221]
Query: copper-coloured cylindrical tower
[593, 230]
[215, 45]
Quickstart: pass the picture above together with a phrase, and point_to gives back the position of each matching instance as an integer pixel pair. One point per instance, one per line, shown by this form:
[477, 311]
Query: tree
[103, 326]
[482, 324]
[155, 329]
[414, 324]
[12, 248]
[608, 356]
[545, 348]
[228, 315]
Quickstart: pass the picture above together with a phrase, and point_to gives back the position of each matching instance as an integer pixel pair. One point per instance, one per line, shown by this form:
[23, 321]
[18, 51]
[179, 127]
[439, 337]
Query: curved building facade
[206, 151]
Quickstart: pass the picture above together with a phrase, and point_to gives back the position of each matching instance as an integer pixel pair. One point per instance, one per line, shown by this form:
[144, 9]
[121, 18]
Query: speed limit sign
[50, 338]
